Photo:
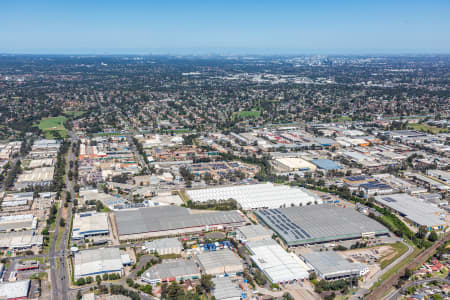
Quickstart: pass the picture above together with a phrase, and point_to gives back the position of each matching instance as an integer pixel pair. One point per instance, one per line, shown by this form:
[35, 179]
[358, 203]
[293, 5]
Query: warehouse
[88, 224]
[253, 233]
[319, 224]
[171, 271]
[253, 196]
[290, 164]
[221, 262]
[97, 262]
[417, 211]
[225, 289]
[278, 265]
[14, 290]
[326, 164]
[17, 222]
[35, 177]
[164, 246]
[172, 220]
[329, 265]
[18, 240]
[375, 188]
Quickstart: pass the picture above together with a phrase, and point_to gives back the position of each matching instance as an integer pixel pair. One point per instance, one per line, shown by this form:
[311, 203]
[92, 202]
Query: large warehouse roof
[277, 264]
[164, 271]
[318, 223]
[224, 288]
[17, 222]
[97, 261]
[89, 223]
[326, 164]
[329, 264]
[222, 261]
[253, 232]
[14, 290]
[253, 196]
[151, 219]
[415, 209]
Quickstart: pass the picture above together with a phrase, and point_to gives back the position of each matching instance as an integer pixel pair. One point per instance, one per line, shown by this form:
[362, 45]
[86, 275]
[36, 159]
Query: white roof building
[14, 290]
[277, 264]
[97, 262]
[89, 224]
[252, 196]
[253, 233]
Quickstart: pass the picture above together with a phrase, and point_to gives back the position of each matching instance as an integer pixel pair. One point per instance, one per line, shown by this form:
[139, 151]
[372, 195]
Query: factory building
[278, 265]
[220, 263]
[253, 233]
[319, 224]
[375, 188]
[17, 222]
[164, 246]
[19, 240]
[97, 262]
[326, 165]
[415, 210]
[88, 224]
[290, 164]
[253, 196]
[226, 289]
[171, 271]
[172, 220]
[329, 265]
[15, 290]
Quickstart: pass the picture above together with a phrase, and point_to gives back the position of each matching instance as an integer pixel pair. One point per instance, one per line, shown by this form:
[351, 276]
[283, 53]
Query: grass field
[427, 128]
[52, 125]
[248, 114]
[399, 249]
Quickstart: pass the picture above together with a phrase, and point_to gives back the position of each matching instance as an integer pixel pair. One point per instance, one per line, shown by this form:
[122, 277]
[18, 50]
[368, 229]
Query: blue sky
[171, 26]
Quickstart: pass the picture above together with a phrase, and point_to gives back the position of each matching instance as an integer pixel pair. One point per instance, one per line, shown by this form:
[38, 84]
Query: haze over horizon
[232, 27]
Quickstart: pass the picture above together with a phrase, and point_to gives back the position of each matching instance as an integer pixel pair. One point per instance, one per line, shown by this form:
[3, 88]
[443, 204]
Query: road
[395, 294]
[366, 285]
[379, 291]
[58, 271]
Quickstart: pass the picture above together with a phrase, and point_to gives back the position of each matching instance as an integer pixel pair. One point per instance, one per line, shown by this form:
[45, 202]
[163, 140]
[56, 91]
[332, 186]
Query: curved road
[395, 294]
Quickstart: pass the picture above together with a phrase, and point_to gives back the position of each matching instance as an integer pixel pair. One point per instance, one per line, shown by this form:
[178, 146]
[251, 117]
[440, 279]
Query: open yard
[397, 250]
[53, 126]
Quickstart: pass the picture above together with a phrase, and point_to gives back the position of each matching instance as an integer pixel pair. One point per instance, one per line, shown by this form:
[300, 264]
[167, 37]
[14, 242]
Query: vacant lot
[249, 114]
[52, 127]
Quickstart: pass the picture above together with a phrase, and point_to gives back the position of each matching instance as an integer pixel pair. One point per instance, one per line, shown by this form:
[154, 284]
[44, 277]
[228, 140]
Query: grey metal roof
[163, 244]
[151, 219]
[178, 268]
[224, 288]
[254, 231]
[329, 263]
[318, 223]
[216, 259]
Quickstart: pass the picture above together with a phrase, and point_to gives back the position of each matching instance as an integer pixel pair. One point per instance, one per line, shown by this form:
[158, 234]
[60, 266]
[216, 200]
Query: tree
[62, 222]
[206, 282]
[422, 233]
[433, 237]
[79, 295]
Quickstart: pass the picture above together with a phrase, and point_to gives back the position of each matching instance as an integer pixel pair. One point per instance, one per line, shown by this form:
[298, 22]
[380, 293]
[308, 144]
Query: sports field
[53, 126]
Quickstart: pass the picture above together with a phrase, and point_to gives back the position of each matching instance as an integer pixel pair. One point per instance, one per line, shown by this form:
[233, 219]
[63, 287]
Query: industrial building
[97, 262]
[35, 177]
[253, 196]
[290, 164]
[319, 224]
[17, 222]
[329, 265]
[171, 271]
[326, 164]
[226, 289]
[15, 290]
[277, 265]
[88, 224]
[164, 246]
[253, 233]
[18, 240]
[172, 220]
[417, 211]
[221, 262]
[375, 188]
